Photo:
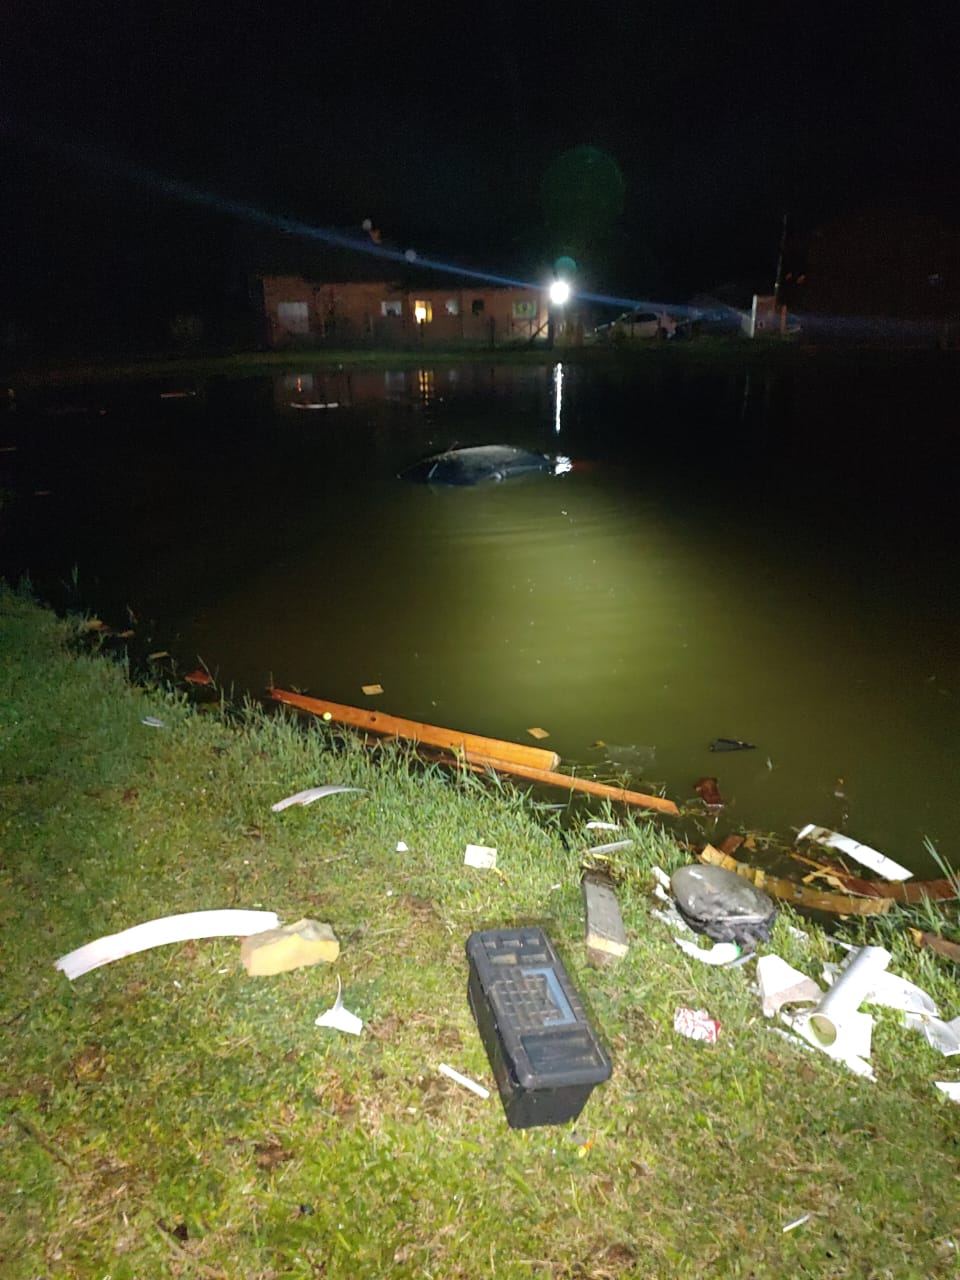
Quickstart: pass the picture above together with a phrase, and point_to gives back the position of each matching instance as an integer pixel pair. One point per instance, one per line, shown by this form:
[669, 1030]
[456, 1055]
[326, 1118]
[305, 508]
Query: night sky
[445, 124]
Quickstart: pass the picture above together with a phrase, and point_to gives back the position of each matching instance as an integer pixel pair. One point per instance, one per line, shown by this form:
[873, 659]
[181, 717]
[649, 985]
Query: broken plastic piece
[861, 853]
[950, 1087]
[610, 848]
[311, 794]
[781, 984]
[852, 1043]
[225, 923]
[797, 1222]
[719, 953]
[467, 1083]
[944, 1036]
[339, 1017]
[480, 855]
[602, 826]
[153, 722]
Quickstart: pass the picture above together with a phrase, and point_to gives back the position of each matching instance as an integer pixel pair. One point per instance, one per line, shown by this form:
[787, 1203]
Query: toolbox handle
[556, 994]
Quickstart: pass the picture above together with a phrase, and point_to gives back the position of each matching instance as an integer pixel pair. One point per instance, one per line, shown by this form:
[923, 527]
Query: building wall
[354, 313]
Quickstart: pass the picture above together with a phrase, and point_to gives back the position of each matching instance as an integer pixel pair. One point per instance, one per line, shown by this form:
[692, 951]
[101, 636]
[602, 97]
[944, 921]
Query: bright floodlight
[559, 292]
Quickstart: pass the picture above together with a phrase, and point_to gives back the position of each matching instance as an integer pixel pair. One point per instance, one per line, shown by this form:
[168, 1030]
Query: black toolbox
[544, 1054]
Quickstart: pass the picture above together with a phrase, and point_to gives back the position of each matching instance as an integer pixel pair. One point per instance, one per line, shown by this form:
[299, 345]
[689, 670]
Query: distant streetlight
[559, 294]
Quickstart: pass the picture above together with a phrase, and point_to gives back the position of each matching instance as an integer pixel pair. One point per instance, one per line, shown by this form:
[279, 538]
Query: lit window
[391, 308]
[293, 316]
[452, 306]
[524, 310]
[423, 312]
[477, 306]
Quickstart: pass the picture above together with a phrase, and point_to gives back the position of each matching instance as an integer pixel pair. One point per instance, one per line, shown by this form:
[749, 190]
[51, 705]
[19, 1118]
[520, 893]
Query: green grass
[168, 1116]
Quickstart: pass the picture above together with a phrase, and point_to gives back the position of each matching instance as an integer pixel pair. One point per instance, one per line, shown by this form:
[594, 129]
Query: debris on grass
[224, 923]
[465, 1081]
[781, 984]
[944, 1036]
[696, 1024]
[480, 855]
[861, 853]
[154, 722]
[311, 794]
[292, 946]
[721, 953]
[606, 938]
[198, 677]
[950, 1087]
[339, 1017]
[797, 1222]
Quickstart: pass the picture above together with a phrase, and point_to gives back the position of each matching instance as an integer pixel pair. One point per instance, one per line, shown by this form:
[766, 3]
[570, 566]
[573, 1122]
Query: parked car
[636, 324]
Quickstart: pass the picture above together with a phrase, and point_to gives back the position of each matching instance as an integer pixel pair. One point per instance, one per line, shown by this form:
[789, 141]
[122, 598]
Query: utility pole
[778, 283]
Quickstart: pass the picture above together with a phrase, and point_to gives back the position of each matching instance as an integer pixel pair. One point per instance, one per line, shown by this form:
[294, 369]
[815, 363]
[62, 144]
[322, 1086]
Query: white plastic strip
[467, 1083]
[861, 853]
[225, 923]
[339, 1017]
[311, 794]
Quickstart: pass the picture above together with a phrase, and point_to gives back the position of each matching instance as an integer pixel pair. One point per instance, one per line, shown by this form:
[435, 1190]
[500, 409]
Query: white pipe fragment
[311, 794]
[225, 923]
[854, 983]
[892, 991]
[467, 1083]
[861, 853]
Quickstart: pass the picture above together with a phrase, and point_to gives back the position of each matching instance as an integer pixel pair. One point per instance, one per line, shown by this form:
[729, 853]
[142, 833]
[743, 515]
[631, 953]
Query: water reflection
[721, 562]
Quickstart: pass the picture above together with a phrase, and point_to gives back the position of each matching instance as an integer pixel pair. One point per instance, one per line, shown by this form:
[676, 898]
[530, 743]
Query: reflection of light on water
[558, 396]
[425, 385]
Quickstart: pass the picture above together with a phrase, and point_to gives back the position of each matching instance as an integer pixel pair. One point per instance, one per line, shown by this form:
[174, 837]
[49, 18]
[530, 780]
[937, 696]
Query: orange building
[301, 312]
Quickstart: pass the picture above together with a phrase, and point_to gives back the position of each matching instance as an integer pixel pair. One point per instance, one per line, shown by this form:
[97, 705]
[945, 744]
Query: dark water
[763, 556]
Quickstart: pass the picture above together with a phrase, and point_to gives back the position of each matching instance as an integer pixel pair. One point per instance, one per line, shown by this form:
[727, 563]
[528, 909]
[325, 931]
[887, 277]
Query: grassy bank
[167, 1115]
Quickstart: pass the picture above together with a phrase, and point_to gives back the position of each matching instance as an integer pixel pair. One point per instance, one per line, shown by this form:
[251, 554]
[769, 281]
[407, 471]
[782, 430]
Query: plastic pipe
[847, 993]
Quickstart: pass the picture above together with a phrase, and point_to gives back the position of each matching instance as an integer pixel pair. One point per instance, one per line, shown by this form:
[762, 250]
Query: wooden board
[569, 783]
[800, 895]
[605, 931]
[433, 735]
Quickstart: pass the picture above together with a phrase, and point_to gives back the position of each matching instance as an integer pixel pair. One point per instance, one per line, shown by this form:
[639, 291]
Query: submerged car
[481, 464]
[636, 324]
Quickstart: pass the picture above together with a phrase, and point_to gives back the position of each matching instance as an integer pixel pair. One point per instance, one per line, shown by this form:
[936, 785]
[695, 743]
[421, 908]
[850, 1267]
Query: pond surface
[761, 556]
